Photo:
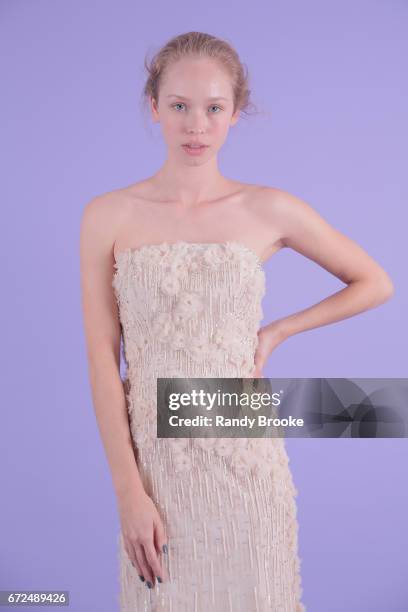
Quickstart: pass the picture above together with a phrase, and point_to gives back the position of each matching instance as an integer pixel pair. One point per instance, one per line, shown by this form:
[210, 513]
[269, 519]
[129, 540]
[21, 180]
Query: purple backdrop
[328, 78]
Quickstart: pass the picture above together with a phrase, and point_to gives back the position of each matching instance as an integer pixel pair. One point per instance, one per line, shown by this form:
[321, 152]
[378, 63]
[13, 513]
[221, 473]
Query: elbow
[388, 288]
[384, 288]
[376, 289]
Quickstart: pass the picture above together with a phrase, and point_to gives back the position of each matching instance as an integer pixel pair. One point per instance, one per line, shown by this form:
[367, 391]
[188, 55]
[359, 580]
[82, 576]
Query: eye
[212, 106]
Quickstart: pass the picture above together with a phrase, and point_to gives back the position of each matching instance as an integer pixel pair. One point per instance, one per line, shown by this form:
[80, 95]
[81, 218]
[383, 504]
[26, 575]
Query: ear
[154, 109]
[235, 117]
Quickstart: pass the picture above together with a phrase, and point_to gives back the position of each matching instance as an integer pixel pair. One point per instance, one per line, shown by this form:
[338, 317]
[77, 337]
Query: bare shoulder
[284, 211]
[108, 205]
[276, 201]
[103, 215]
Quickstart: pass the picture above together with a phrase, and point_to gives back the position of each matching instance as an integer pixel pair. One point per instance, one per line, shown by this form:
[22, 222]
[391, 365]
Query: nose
[195, 124]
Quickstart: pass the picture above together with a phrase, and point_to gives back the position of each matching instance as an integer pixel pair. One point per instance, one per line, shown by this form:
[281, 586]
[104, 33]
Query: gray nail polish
[141, 578]
[165, 548]
[149, 584]
[159, 579]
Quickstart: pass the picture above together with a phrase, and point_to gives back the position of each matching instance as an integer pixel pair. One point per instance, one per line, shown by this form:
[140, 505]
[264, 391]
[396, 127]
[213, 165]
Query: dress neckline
[146, 247]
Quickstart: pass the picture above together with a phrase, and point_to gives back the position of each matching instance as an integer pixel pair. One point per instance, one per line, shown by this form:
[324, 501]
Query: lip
[200, 148]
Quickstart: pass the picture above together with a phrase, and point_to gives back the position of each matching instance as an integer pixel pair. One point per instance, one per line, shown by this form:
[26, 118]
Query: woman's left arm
[305, 231]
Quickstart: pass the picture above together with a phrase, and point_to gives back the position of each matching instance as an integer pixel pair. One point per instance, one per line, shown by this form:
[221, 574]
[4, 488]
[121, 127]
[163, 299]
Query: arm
[304, 230]
[141, 525]
[102, 331]
[368, 285]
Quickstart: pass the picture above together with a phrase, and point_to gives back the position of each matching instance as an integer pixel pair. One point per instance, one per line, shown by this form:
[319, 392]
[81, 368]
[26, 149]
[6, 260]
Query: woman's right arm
[139, 517]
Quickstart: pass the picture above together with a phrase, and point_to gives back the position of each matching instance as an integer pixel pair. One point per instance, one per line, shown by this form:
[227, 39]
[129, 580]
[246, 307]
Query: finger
[138, 570]
[261, 353]
[132, 558]
[143, 563]
[153, 560]
[159, 541]
[158, 535]
[258, 367]
[259, 356]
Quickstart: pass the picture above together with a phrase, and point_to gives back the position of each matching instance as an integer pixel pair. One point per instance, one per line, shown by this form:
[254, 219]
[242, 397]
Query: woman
[174, 264]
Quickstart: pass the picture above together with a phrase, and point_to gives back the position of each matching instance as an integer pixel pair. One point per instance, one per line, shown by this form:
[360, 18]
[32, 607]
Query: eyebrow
[184, 98]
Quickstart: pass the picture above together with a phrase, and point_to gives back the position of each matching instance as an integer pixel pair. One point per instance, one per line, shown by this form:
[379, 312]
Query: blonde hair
[199, 44]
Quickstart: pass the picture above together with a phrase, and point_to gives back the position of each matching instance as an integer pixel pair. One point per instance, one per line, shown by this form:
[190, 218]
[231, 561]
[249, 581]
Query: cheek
[220, 128]
[171, 127]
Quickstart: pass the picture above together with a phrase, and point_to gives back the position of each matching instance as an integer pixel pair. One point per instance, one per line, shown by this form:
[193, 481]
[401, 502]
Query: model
[173, 265]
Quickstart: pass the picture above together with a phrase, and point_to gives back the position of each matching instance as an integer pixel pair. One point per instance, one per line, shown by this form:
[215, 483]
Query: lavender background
[328, 78]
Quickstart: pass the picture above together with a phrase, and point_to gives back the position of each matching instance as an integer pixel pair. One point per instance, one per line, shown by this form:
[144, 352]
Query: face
[195, 104]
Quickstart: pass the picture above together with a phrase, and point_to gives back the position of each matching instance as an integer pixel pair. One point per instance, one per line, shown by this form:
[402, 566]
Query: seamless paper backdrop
[332, 129]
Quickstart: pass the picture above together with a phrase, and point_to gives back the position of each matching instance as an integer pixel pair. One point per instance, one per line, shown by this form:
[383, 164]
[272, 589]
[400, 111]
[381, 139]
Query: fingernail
[159, 579]
[165, 548]
[141, 578]
[149, 584]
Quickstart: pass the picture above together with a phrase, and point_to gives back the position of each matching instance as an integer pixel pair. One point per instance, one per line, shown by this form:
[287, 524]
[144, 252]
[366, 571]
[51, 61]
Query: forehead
[194, 78]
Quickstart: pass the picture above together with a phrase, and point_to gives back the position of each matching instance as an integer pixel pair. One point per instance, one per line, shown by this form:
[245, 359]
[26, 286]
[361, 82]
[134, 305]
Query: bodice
[187, 310]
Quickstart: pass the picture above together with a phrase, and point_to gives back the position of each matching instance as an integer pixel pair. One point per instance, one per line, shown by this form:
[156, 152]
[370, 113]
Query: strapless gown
[228, 504]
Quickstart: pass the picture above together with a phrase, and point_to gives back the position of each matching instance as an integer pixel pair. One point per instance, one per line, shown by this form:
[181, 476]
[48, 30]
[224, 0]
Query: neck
[189, 184]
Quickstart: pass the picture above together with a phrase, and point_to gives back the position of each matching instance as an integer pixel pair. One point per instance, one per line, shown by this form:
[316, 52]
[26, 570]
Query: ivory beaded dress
[228, 504]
